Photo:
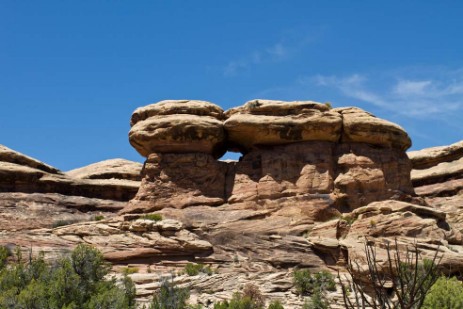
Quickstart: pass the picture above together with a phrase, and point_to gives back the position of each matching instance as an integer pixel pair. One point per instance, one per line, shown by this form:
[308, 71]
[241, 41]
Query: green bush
[194, 269]
[315, 285]
[152, 217]
[4, 253]
[275, 305]
[130, 270]
[445, 294]
[98, 217]
[169, 296]
[251, 298]
[72, 283]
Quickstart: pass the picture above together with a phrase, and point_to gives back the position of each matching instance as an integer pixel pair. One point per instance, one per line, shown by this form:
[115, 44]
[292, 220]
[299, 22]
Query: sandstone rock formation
[110, 180]
[294, 152]
[312, 186]
[437, 176]
[178, 127]
[109, 169]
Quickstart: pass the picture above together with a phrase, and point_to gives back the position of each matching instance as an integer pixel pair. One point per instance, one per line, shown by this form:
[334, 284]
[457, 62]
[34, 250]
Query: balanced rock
[178, 127]
[265, 122]
[362, 127]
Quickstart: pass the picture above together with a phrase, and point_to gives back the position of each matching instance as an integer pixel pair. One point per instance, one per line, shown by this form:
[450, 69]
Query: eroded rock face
[437, 176]
[109, 169]
[178, 127]
[294, 152]
[362, 127]
[14, 157]
[303, 203]
[180, 180]
[19, 173]
[265, 122]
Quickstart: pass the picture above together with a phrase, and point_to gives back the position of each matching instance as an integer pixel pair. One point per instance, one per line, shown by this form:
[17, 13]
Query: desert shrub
[250, 298]
[446, 293]
[169, 296]
[152, 217]
[98, 217]
[77, 282]
[194, 269]
[328, 104]
[4, 253]
[275, 304]
[315, 285]
[411, 276]
[307, 284]
[130, 270]
[349, 219]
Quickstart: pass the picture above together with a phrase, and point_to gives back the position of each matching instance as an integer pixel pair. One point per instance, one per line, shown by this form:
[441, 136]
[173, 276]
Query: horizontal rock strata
[333, 158]
[112, 180]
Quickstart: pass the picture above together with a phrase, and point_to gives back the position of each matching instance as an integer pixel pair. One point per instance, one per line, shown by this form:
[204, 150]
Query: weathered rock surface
[294, 152]
[362, 127]
[171, 107]
[180, 180]
[109, 169]
[438, 177]
[178, 127]
[438, 171]
[429, 157]
[24, 211]
[284, 204]
[11, 156]
[15, 177]
[264, 122]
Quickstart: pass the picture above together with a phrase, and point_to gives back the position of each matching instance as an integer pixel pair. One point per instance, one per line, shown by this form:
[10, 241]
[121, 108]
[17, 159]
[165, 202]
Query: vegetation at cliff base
[76, 282]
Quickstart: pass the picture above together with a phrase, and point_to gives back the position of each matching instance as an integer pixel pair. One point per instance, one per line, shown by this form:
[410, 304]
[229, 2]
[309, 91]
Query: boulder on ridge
[178, 127]
[267, 122]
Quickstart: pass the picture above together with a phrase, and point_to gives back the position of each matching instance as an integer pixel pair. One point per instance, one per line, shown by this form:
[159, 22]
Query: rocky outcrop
[178, 127]
[10, 156]
[19, 173]
[109, 169]
[437, 176]
[438, 171]
[313, 185]
[264, 122]
[362, 127]
[295, 152]
[429, 157]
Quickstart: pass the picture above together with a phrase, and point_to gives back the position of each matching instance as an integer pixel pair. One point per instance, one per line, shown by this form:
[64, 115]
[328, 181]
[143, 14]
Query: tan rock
[18, 178]
[113, 168]
[362, 127]
[430, 157]
[263, 122]
[172, 107]
[439, 173]
[200, 182]
[365, 174]
[11, 156]
[178, 133]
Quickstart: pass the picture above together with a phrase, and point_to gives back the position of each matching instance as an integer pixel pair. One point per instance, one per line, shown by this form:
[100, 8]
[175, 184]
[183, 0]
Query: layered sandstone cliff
[293, 152]
[312, 186]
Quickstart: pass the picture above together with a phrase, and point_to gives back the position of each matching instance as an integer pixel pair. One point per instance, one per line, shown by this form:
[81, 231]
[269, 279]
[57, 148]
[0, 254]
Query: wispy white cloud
[289, 45]
[432, 96]
[276, 52]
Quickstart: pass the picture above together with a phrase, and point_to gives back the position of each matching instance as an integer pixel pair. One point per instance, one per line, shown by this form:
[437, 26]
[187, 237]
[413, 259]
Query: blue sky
[72, 72]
